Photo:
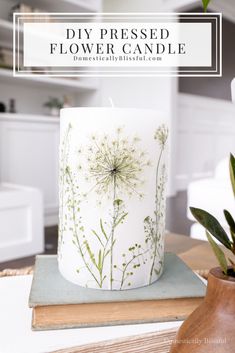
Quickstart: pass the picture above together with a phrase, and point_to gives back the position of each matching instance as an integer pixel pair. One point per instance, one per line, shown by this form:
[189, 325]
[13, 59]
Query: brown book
[58, 303]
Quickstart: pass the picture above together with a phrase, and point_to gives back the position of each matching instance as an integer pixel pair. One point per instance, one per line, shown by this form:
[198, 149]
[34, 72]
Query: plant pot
[211, 327]
[54, 111]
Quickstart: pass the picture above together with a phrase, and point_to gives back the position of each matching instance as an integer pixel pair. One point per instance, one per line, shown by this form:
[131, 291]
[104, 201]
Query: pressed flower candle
[112, 197]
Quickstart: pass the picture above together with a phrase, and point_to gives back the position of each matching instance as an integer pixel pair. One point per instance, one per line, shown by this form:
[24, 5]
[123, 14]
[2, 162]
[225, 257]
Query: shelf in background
[75, 85]
[6, 27]
[67, 5]
[29, 117]
[6, 32]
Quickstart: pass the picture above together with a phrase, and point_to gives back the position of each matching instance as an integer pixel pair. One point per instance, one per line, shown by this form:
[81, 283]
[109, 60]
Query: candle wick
[111, 102]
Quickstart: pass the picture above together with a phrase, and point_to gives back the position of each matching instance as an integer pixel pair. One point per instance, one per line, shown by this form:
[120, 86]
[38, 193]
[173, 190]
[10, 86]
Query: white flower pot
[112, 197]
[55, 111]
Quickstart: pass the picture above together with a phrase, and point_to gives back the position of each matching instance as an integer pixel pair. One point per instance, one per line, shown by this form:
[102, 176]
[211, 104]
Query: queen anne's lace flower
[161, 135]
[116, 163]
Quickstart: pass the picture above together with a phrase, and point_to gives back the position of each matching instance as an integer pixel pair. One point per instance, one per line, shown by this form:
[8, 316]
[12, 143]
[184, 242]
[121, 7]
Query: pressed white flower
[161, 135]
[116, 164]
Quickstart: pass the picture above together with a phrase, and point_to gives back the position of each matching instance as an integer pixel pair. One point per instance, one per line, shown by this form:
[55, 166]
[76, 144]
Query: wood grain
[155, 342]
[178, 243]
[17, 272]
[201, 257]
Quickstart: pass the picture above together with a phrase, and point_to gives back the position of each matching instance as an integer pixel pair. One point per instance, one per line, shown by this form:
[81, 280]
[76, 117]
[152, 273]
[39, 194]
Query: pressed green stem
[156, 195]
[154, 259]
[63, 161]
[76, 233]
[127, 265]
[112, 232]
[156, 217]
[103, 258]
[102, 263]
[101, 277]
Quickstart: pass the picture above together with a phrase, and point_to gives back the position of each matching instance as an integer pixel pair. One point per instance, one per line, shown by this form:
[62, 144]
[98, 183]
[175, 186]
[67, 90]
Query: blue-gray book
[58, 303]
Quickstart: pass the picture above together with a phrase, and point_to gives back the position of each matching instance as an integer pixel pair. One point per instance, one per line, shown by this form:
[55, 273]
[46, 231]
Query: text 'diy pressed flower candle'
[112, 196]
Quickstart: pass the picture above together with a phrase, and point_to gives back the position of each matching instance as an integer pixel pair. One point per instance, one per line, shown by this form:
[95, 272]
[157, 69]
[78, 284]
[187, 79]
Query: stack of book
[59, 304]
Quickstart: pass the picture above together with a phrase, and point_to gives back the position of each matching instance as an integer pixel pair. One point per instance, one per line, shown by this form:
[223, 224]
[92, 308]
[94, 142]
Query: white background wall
[132, 5]
[206, 135]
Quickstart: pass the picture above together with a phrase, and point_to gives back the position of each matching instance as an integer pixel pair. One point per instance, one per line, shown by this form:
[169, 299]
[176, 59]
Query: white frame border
[137, 73]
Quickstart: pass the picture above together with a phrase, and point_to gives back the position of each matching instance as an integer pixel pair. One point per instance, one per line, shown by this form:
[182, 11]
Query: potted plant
[54, 104]
[211, 327]
[205, 4]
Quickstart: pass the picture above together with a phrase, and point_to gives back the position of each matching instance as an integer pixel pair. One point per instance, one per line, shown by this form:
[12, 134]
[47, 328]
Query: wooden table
[197, 254]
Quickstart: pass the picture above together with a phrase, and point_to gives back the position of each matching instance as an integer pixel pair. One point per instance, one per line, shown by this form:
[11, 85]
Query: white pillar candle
[112, 197]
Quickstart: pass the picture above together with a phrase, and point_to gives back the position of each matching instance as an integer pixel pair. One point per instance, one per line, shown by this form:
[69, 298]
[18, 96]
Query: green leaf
[100, 261]
[102, 229]
[106, 254]
[218, 253]
[233, 237]
[120, 219]
[118, 202]
[147, 219]
[212, 225]
[205, 4]
[113, 242]
[92, 257]
[157, 272]
[232, 171]
[231, 224]
[229, 220]
[97, 236]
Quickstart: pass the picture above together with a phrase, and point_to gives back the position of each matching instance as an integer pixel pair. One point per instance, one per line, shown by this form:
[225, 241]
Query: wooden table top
[197, 254]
